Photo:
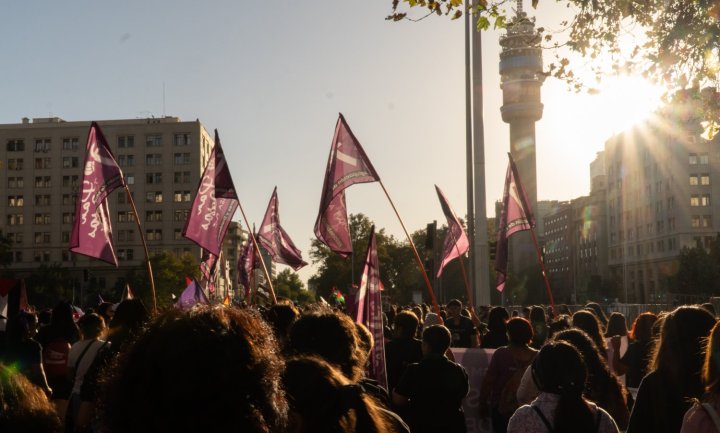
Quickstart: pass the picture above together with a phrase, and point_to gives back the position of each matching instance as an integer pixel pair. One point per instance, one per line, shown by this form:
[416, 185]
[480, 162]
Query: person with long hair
[538, 321]
[23, 353]
[497, 329]
[589, 323]
[703, 416]
[665, 394]
[322, 400]
[560, 374]
[617, 327]
[603, 387]
[634, 364]
[598, 312]
[24, 408]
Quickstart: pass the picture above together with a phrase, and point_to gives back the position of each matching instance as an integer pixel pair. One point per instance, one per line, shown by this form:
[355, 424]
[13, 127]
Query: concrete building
[41, 169]
[660, 198]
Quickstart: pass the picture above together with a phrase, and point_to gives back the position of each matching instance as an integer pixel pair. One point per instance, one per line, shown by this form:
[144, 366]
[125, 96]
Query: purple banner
[476, 363]
[456, 240]
[275, 240]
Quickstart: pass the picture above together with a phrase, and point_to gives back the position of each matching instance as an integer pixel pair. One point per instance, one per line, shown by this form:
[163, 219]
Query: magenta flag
[516, 216]
[347, 165]
[208, 263]
[369, 311]
[92, 230]
[215, 203]
[246, 264]
[192, 295]
[275, 240]
[456, 240]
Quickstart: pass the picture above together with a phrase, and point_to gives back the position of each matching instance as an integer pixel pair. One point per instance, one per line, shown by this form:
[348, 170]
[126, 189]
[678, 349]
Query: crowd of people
[286, 368]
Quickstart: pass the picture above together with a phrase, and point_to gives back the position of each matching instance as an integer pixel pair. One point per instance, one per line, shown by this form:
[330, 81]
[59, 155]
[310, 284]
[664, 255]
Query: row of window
[123, 254]
[154, 140]
[18, 219]
[698, 159]
[699, 179]
[15, 182]
[154, 159]
[73, 143]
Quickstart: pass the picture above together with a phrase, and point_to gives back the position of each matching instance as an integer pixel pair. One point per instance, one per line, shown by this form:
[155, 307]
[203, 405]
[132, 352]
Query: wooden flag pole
[257, 251]
[436, 307]
[544, 273]
[145, 247]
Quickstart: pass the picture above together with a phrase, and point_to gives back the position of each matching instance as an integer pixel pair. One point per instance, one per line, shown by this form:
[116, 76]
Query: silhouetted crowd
[116, 369]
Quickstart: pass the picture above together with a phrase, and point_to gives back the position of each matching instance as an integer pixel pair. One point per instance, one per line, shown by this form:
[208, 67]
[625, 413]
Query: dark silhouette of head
[616, 325]
[642, 328]
[589, 323]
[519, 331]
[436, 339]
[406, 324]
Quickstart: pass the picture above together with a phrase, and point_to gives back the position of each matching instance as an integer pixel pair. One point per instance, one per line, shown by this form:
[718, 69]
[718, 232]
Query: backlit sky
[272, 77]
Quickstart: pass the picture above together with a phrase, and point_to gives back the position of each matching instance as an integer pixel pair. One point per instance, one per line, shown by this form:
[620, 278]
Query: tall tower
[521, 76]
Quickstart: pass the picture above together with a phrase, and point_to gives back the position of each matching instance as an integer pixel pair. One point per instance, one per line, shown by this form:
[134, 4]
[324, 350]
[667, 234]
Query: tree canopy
[287, 284]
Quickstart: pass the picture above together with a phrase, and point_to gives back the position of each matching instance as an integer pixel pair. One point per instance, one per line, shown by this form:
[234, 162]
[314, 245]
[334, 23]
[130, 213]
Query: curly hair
[23, 406]
[222, 363]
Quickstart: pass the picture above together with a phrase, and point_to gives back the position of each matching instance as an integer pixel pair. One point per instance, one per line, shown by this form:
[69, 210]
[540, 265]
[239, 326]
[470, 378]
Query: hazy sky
[272, 77]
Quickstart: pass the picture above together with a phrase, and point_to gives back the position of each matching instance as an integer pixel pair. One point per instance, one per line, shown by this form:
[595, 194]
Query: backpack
[55, 358]
[508, 404]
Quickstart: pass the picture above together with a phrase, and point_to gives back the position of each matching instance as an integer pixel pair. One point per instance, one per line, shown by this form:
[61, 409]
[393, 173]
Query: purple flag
[275, 240]
[347, 165]
[369, 310]
[214, 204]
[516, 216]
[92, 231]
[456, 240]
[208, 263]
[191, 296]
[246, 264]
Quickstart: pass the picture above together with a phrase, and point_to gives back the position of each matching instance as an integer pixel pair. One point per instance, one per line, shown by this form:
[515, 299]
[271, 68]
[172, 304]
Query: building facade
[42, 162]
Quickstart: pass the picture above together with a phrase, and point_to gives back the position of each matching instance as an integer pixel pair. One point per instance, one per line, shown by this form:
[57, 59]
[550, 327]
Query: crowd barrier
[476, 362]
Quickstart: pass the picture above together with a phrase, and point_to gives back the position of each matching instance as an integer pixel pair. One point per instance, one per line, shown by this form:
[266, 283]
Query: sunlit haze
[272, 78]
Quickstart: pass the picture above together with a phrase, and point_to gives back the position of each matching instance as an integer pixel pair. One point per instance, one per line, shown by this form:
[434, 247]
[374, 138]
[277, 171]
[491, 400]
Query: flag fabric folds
[456, 240]
[191, 296]
[214, 205]
[246, 265]
[275, 240]
[92, 230]
[347, 165]
[516, 216]
[208, 263]
[369, 311]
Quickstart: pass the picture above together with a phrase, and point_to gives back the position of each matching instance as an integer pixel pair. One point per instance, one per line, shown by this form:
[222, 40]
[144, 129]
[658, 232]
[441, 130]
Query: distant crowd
[285, 368]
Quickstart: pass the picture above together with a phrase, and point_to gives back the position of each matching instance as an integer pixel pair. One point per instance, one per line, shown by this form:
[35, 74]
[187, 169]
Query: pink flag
[92, 231]
[246, 265]
[456, 240]
[516, 216]
[208, 263]
[347, 165]
[369, 310]
[275, 240]
[214, 204]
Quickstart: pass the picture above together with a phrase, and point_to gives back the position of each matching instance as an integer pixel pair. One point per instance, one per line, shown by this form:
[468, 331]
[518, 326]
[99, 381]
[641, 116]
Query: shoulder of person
[607, 423]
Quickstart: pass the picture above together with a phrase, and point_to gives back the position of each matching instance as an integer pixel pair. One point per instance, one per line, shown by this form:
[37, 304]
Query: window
[42, 163]
[177, 234]
[70, 181]
[153, 159]
[153, 216]
[182, 139]
[17, 257]
[42, 145]
[693, 159]
[125, 254]
[130, 179]
[153, 178]
[182, 177]
[67, 217]
[703, 159]
[15, 164]
[15, 219]
[66, 255]
[42, 237]
[126, 141]
[15, 238]
[705, 200]
[65, 237]
[704, 179]
[693, 179]
[71, 162]
[694, 200]
[125, 217]
[70, 143]
[41, 256]
[42, 182]
[42, 218]
[126, 235]
[707, 221]
[17, 145]
[182, 158]
[42, 200]
[153, 140]
[126, 160]
[15, 201]
[153, 234]
[181, 214]
[154, 197]
[16, 182]
[671, 223]
[181, 196]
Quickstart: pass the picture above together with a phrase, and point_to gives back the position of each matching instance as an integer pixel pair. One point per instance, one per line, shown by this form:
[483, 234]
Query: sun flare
[625, 101]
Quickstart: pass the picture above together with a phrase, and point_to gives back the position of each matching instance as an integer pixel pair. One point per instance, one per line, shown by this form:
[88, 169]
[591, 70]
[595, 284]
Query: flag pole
[257, 251]
[415, 251]
[145, 247]
[544, 273]
[468, 291]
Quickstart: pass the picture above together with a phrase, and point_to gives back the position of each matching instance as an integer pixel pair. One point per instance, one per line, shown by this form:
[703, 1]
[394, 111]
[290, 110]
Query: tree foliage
[169, 272]
[288, 284]
[48, 284]
[698, 270]
[5, 251]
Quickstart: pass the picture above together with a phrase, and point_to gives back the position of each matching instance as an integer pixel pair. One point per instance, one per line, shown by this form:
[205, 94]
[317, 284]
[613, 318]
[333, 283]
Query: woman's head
[616, 325]
[497, 319]
[519, 331]
[91, 326]
[537, 315]
[642, 328]
[594, 359]
[596, 309]
[559, 368]
[222, 363]
[406, 324]
[323, 400]
[589, 323]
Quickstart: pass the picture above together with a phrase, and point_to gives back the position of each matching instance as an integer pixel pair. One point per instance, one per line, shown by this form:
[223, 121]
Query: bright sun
[625, 101]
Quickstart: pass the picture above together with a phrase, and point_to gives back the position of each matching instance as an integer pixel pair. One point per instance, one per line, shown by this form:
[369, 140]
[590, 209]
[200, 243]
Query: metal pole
[480, 258]
[470, 221]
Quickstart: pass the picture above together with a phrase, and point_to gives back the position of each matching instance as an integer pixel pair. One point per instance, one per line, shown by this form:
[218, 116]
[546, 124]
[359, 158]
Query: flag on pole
[13, 299]
[456, 241]
[347, 165]
[369, 311]
[208, 263]
[227, 302]
[191, 296]
[215, 203]
[127, 294]
[516, 216]
[92, 230]
[246, 265]
[275, 240]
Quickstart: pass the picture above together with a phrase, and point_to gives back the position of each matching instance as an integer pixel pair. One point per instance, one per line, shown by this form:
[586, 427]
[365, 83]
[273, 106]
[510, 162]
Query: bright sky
[272, 76]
